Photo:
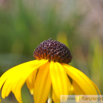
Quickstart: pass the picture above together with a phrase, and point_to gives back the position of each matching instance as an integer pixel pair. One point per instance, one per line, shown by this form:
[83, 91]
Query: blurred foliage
[25, 24]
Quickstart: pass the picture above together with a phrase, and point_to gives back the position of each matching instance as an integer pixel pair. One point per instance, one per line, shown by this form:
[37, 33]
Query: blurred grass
[24, 27]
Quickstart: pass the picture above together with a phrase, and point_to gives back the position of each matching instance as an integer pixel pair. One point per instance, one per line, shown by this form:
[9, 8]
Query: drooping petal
[96, 88]
[81, 79]
[55, 99]
[42, 84]
[70, 88]
[59, 79]
[18, 95]
[5, 76]
[31, 81]
[70, 92]
[17, 76]
[77, 90]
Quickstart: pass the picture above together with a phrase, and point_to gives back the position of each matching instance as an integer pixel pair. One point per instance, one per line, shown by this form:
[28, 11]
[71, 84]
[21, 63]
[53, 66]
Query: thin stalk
[50, 96]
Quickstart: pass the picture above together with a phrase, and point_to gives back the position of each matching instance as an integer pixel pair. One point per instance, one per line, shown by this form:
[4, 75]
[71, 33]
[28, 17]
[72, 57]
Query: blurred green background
[24, 24]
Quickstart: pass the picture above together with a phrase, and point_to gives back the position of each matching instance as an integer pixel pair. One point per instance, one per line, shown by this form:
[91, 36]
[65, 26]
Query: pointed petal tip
[84, 83]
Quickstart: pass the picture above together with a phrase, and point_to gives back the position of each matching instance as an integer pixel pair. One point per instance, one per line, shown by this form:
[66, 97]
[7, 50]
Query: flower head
[49, 71]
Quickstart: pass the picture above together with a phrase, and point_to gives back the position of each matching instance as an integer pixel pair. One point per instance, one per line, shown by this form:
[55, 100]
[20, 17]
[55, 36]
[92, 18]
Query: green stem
[50, 96]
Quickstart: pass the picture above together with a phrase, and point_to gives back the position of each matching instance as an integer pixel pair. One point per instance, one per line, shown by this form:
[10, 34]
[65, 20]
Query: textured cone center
[53, 50]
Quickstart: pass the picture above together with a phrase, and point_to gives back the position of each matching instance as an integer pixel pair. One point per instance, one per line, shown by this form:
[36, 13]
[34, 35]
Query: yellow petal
[31, 81]
[42, 84]
[77, 90]
[59, 79]
[5, 76]
[17, 76]
[97, 88]
[81, 79]
[18, 95]
[28, 72]
[7, 80]
[70, 87]
[55, 99]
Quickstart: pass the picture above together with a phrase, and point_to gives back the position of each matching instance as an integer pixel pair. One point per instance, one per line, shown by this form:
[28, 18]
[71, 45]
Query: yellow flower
[49, 72]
